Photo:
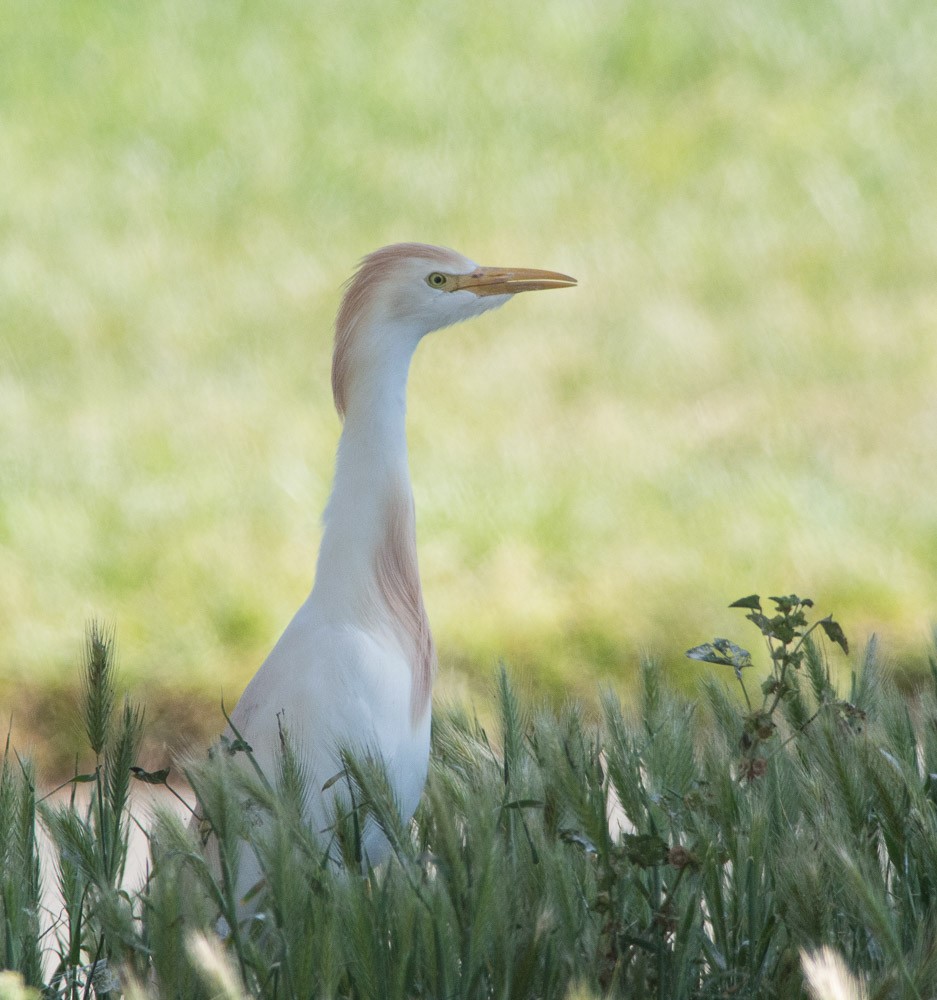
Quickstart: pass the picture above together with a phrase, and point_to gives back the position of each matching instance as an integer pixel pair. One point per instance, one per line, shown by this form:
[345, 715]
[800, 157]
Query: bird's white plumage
[353, 669]
[353, 692]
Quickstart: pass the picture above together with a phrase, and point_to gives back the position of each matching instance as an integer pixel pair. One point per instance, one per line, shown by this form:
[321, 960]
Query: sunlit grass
[740, 391]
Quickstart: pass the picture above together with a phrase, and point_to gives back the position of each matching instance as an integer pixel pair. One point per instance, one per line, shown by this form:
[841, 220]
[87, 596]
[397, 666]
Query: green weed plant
[673, 849]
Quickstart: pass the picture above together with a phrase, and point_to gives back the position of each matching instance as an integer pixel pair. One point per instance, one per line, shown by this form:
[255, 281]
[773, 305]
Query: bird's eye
[436, 280]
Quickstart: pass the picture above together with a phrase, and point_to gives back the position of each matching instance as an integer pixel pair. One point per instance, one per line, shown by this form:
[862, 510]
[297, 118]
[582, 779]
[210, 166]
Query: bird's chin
[485, 303]
[465, 306]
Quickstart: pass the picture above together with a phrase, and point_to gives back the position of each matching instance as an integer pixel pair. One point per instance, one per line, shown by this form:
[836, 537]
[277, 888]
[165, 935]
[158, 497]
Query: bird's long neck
[367, 573]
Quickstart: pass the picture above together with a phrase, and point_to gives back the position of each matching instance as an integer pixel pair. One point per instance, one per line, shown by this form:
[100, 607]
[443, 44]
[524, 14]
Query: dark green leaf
[150, 777]
[783, 632]
[645, 849]
[752, 602]
[834, 633]
[763, 622]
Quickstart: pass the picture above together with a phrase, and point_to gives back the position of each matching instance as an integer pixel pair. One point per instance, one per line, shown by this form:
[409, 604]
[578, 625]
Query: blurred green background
[740, 396]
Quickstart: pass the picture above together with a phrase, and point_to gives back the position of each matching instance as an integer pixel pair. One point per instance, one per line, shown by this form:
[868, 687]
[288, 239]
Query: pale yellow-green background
[740, 396]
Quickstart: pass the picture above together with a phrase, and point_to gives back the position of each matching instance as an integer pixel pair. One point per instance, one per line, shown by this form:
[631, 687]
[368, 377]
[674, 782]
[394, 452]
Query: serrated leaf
[752, 602]
[835, 633]
[722, 652]
[706, 653]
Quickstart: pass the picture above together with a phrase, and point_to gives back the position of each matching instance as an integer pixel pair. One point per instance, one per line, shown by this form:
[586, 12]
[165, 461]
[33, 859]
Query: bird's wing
[329, 688]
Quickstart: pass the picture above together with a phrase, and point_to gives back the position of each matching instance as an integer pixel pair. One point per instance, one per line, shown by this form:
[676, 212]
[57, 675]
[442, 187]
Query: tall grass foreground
[728, 847]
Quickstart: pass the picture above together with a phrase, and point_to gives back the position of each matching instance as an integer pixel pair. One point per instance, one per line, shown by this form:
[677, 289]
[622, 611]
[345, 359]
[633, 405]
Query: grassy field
[673, 850]
[739, 396]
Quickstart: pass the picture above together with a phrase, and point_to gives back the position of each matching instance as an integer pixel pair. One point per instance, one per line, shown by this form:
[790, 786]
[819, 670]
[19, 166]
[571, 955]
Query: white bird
[354, 668]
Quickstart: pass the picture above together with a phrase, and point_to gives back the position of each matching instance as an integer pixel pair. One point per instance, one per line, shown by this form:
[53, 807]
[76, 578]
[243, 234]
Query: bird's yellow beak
[509, 280]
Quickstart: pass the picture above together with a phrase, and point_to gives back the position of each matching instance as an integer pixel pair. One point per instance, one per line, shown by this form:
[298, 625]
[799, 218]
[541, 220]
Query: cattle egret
[354, 668]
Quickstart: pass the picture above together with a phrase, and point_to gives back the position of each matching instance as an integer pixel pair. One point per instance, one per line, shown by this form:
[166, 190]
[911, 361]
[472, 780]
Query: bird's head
[404, 291]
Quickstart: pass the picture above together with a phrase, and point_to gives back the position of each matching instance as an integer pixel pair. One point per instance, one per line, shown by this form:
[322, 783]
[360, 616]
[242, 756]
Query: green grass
[675, 849]
[740, 391]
